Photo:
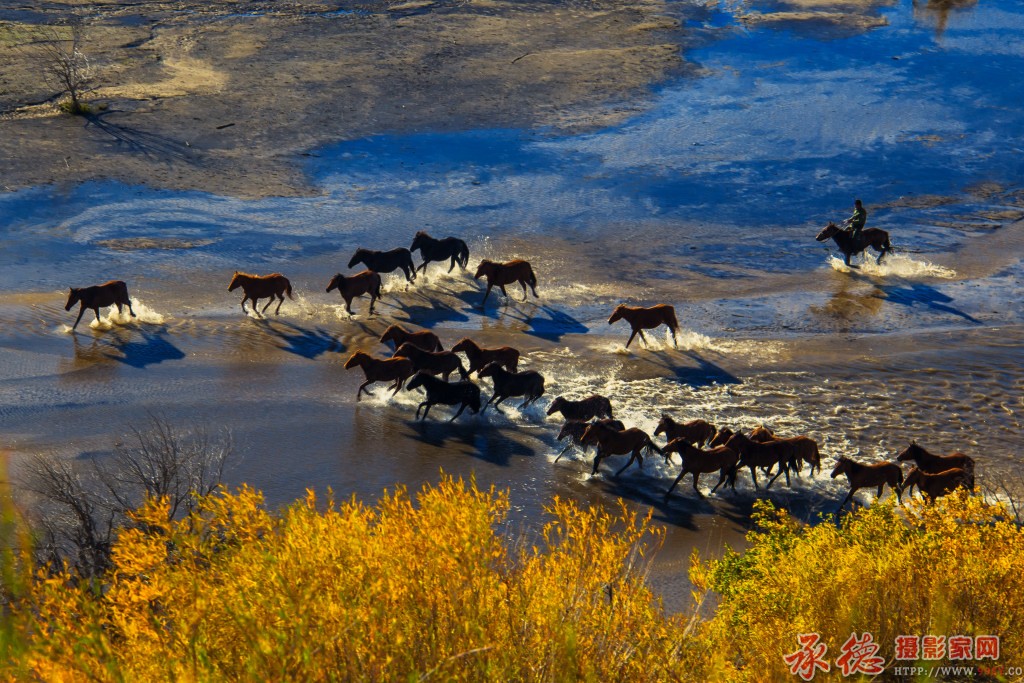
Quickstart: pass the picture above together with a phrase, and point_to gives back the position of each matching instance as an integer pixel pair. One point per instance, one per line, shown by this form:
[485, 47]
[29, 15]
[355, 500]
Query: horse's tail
[672, 322]
[651, 446]
[462, 370]
[288, 288]
[532, 278]
[462, 256]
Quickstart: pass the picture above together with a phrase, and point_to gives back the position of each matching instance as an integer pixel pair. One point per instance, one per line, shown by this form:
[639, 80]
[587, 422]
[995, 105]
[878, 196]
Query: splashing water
[896, 265]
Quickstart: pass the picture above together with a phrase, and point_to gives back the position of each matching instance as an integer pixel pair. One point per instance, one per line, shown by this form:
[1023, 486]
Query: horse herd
[420, 361]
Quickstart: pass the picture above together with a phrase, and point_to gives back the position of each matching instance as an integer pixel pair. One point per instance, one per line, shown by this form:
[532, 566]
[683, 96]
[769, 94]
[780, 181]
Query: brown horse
[528, 384]
[933, 464]
[721, 437]
[872, 237]
[478, 357]
[935, 485]
[365, 282]
[574, 430]
[720, 459]
[863, 476]
[641, 319]
[501, 274]
[432, 249]
[113, 293]
[618, 442]
[584, 409]
[432, 362]
[696, 432]
[762, 434]
[754, 455]
[395, 370]
[258, 287]
[425, 339]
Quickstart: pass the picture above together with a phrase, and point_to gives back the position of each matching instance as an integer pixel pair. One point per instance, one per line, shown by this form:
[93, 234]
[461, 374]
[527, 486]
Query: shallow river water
[708, 198]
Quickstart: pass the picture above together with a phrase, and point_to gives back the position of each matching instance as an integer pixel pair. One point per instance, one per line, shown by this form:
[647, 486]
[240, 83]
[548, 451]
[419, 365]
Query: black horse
[440, 249]
[875, 238]
[462, 394]
[386, 261]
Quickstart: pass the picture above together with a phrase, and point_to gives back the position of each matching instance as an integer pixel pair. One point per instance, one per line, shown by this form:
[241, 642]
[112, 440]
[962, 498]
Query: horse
[439, 249]
[754, 455]
[863, 476]
[501, 274]
[618, 442]
[584, 409]
[366, 282]
[432, 362]
[875, 238]
[425, 339]
[386, 261]
[395, 370]
[721, 459]
[640, 319]
[937, 484]
[574, 430]
[933, 464]
[762, 434]
[478, 356]
[258, 287]
[529, 384]
[113, 293]
[721, 437]
[462, 394]
[696, 432]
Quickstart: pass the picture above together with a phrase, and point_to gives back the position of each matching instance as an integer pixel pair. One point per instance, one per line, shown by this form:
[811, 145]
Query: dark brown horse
[696, 432]
[395, 370]
[872, 237]
[478, 356]
[501, 274]
[432, 362]
[366, 282]
[258, 287]
[528, 384]
[863, 476]
[761, 434]
[935, 485]
[584, 409]
[425, 339]
[754, 455]
[618, 442]
[574, 430]
[462, 394]
[440, 249]
[721, 459]
[113, 293]
[386, 261]
[933, 464]
[641, 319]
[721, 437]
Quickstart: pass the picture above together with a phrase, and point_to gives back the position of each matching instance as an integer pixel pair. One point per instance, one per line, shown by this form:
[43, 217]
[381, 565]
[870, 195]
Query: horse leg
[696, 480]
[848, 496]
[418, 409]
[428, 405]
[525, 293]
[96, 310]
[362, 388]
[783, 468]
[269, 301]
[81, 311]
[673, 331]
[562, 452]
[721, 479]
[348, 304]
[681, 475]
[753, 475]
[643, 338]
[486, 294]
[398, 385]
[634, 456]
[129, 305]
[280, 297]
[504, 293]
[452, 266]
[635, 330]
[879, 494]
[597, 459]
[497, 402]
[373, 299]
[461, 408]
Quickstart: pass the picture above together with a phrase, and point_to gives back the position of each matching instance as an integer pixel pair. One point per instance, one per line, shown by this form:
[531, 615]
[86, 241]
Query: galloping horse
[113, 293]
[720, 459]
[449, 393]
[875, 238]
[933, 464]
[936, 485]
[395, 370]
[641, 319]
[258, 287]
[425, 339]
[592, 406]
[618, 442]
[574, 430]
[386, 261]
[438, 250]
[501, 274]
[754, 455]
[863, 476]
[432, 362]
[479, 357]
[366, 282]
[529, 384]
[696, 432]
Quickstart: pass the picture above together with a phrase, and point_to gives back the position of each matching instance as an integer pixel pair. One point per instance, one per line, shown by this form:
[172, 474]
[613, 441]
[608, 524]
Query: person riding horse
[857, 220]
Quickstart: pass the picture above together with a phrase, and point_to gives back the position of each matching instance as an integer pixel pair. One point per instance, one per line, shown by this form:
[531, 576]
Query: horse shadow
[648, 491]
[487, 442]
[552, 325]
[706, 373]
[927, 296]
[305, 342]
[433, 313]
[152, 350]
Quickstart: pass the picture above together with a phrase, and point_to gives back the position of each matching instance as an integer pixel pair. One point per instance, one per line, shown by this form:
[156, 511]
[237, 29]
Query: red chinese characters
[809, 658]
[860, 655]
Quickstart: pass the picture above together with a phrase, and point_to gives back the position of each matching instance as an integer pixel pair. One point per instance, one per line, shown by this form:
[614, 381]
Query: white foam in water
[686, 340]
[143, 314]
[895, 265]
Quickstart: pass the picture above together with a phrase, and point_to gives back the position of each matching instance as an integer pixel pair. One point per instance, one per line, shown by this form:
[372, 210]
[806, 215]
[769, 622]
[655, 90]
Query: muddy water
[709, 200]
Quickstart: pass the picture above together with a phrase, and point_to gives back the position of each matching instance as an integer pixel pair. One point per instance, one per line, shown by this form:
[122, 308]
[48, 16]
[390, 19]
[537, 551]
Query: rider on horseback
[857, 220]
